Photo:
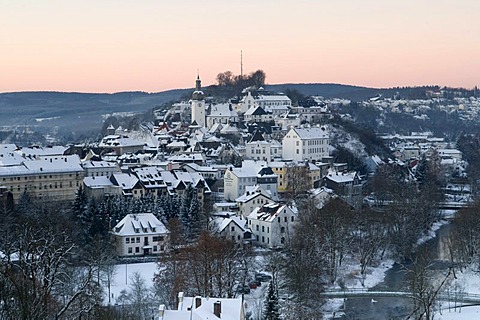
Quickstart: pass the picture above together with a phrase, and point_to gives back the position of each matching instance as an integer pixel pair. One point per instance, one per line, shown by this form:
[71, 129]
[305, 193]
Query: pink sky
[154, 45]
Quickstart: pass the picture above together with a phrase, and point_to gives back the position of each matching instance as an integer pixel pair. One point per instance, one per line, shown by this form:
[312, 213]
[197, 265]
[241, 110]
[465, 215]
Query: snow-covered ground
[123, 272]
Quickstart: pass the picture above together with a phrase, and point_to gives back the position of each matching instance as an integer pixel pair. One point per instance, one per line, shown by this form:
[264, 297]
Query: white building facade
[300, 144]
[273, 224]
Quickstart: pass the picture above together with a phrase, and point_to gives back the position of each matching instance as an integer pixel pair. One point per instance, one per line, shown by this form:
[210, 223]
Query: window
[138, 238]
[293, 218]
[130, 250]
[232, 228]
[132, 240]
[268, 229]
[127, 240]
[137, 249]
[257, 227]
[162, 248]
[282, 230]
[155, 248]
[285, 219]
[263, 239]
[263, 228]
[278, 219]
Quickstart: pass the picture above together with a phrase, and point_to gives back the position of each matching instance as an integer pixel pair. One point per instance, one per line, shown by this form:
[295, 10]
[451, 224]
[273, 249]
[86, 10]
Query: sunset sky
[154, 45]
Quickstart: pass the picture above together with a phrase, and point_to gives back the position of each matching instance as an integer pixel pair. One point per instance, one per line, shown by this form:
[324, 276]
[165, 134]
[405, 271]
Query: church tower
[198, 104]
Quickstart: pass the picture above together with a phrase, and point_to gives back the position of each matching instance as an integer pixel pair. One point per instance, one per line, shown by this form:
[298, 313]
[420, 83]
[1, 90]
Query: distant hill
[83, 111]
[76, 109]
[354, 93]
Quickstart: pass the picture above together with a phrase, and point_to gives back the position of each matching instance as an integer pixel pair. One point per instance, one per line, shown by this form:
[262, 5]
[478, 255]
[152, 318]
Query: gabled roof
[125, 180]
[255, 111]
[223, 222]
[139, 224]
[257, 136]
[270, 211]
[252, 192]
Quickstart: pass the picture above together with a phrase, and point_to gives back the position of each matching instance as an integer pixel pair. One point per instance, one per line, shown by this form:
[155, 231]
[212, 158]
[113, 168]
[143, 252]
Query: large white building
[300, 144]
[55, 178]
[236, 180]
[274, 103]
[273, 224]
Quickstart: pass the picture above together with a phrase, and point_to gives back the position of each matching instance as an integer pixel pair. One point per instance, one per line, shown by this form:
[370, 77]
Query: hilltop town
[233, 195]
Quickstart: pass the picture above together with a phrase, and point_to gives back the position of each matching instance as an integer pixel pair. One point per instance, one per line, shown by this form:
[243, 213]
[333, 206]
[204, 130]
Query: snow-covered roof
[54, 164]
[119, 141]
[90, 164]
[252, 192]
[231, 309]
[42, 151]
[341, 177]
[311, 133]
[139, 224]
[96, 182]
[270, 211]
[222, 222]
[222, 110]
[249, 168]
[125, 180]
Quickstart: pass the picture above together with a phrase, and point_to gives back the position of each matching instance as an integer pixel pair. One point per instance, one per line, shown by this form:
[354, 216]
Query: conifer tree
[271, 304]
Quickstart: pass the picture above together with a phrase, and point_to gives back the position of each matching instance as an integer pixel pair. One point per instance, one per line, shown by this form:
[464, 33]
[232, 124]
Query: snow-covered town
[251, 207]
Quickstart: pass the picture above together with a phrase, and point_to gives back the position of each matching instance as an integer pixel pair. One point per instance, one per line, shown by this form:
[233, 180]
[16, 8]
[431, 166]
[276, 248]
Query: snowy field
[123, 272]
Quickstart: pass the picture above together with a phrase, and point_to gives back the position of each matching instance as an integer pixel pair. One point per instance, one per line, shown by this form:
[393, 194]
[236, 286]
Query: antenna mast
[241, 63]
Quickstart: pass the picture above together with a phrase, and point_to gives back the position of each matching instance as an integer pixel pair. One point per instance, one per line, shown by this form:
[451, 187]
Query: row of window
[35, 177]
[137, 249]
[40, 187]
[137, 239]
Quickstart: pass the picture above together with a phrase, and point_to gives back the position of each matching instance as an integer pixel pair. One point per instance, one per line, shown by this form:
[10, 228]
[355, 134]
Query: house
[346, 184]
[272, 224]
[221, 114]
[100, 187]
[129, 184]
[300, 144]
[257, 148]
[257, 114]
[288, 120]
[236, 180]
[253, 197]
[200, 308]
[232, 227]
[140, 234]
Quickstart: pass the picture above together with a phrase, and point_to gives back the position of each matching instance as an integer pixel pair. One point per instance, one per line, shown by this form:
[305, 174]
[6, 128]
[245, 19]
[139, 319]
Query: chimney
[198, 302]
[161, 311]
[217, 308]
[180, 300]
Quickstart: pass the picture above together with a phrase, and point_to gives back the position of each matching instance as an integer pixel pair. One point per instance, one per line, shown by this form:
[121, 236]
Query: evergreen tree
[271, 304]
[80, 203]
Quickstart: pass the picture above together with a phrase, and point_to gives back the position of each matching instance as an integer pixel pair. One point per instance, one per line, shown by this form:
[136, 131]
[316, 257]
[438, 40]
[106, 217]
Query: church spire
[198, 83]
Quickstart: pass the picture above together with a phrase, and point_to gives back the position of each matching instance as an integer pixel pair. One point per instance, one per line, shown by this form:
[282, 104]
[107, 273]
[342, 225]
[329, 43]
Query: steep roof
[139, 224]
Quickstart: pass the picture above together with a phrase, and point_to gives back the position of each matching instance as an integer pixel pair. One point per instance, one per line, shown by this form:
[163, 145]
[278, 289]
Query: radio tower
[241, 64]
